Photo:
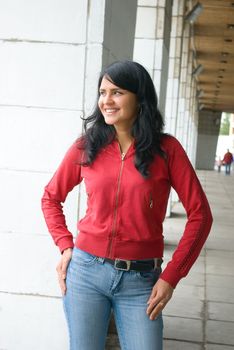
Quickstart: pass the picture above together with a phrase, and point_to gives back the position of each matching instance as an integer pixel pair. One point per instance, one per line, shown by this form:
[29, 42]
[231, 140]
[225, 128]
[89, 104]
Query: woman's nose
[107, 99]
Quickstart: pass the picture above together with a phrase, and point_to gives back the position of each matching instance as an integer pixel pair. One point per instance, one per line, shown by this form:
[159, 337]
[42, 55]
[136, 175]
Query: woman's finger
[160, 295]
[62, 269]
[156, 310]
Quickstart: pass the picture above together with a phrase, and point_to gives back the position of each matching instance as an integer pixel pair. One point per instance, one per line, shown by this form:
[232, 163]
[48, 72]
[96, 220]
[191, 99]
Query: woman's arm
[199, 219]
[67, 176]
[185, 182]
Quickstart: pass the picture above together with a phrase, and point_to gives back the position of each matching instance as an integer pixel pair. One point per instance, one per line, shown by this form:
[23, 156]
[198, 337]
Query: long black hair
[147, 129]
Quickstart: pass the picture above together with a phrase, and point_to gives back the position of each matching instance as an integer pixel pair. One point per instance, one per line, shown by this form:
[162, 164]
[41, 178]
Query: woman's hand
[161, 294]
[62, 269]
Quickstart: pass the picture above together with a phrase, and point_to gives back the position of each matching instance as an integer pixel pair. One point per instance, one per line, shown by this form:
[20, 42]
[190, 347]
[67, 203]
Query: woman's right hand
[62, 269]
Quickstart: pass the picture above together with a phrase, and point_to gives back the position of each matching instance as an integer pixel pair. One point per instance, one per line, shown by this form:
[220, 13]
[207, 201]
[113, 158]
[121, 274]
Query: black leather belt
[136, 265]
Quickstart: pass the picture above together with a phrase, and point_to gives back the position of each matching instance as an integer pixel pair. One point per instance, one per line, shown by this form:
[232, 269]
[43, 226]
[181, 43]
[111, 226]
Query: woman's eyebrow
[117, 88]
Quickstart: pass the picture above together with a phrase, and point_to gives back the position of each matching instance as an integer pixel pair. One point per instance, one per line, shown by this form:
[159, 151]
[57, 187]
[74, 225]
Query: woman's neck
[125, 140]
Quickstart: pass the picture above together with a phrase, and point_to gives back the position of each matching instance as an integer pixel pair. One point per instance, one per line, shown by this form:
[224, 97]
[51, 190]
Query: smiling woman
[119, 107]
[129, 166]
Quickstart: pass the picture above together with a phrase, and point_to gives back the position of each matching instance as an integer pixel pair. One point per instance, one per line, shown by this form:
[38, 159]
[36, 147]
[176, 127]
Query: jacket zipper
[113, 234]
[151, 201]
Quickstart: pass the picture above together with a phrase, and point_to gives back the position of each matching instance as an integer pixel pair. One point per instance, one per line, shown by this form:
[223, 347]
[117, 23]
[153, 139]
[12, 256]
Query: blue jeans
[228, 168]
[94, 289]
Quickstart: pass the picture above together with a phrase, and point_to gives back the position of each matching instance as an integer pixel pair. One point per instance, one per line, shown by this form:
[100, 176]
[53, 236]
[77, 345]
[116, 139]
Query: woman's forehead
[107, 84]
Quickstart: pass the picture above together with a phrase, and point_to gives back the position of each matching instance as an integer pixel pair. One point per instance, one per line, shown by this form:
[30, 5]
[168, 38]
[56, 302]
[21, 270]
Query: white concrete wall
[43, 60]
[51, 53]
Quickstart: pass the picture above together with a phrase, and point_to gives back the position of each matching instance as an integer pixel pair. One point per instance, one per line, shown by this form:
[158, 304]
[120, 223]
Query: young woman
[128, 166]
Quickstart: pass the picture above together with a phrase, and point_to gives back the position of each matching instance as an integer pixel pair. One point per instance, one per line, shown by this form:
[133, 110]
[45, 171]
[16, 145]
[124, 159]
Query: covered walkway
[201, 314]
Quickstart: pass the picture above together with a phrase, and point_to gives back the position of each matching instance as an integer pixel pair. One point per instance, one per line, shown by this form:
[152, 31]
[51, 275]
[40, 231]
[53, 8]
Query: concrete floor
[201, 314]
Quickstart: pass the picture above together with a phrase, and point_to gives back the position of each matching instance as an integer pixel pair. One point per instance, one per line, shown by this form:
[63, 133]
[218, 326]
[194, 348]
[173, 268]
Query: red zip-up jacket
[125, 212]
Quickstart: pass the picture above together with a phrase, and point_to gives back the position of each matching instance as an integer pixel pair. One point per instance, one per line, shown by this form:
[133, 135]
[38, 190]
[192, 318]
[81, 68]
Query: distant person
[219, 164]
[227, 161]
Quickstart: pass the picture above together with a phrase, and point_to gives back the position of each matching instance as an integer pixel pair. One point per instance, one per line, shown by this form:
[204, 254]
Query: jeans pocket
[149, 276]
[83, 258]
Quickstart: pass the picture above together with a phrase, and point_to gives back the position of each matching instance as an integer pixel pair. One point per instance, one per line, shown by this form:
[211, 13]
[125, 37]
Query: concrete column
[172, 99]
[208, 131]
[183, 86]
[186, 137]
[51, 54]
[174, 67]
[42, 69]
[152, 42]
[192, 140]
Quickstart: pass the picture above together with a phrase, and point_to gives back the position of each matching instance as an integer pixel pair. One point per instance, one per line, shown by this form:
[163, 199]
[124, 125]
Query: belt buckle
[127, 262]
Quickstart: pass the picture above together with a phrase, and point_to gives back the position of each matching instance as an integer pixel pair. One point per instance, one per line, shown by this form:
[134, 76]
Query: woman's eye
[114, 93]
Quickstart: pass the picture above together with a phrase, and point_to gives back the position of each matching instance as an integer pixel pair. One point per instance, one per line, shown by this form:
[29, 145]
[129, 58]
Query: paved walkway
[201, 314]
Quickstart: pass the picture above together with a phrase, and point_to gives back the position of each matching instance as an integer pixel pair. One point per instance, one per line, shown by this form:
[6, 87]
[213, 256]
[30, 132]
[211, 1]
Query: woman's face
[119, 107]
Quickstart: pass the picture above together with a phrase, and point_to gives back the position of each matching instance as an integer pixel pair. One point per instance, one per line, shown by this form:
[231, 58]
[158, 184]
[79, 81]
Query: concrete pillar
[174, 67]
[193, 123]
[208, 131]
[51, 54]
[172, 96]
[152, 42]
[186, 137]
[42, 65]
[183, 85]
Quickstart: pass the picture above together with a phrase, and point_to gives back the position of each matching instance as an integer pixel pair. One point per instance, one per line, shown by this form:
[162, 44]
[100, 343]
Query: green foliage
[225, 125]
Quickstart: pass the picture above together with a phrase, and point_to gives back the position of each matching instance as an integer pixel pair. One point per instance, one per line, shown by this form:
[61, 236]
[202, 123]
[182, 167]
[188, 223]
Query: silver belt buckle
[127, 262]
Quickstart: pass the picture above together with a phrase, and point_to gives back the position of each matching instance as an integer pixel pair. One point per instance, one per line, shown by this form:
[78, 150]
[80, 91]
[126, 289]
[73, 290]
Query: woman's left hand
[161, 294]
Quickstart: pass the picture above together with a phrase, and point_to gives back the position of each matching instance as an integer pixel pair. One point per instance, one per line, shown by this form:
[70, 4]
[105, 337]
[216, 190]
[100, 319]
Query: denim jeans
[227, 168]
[94, 289]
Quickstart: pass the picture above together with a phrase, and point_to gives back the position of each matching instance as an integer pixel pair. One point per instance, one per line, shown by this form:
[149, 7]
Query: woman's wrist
[66, 250]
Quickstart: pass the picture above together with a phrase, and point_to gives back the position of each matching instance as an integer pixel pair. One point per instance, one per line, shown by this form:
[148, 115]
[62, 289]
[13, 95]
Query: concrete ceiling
[213, 38]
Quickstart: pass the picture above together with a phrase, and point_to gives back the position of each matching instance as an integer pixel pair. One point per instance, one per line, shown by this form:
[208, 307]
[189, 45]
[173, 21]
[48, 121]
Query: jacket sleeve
[199, 218]
[67, 176]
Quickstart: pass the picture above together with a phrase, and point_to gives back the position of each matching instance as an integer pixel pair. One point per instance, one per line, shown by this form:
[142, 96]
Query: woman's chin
[110, 120]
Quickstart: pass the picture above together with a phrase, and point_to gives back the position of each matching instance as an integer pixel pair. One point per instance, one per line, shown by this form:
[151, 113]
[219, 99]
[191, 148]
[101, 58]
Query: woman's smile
[111, 110]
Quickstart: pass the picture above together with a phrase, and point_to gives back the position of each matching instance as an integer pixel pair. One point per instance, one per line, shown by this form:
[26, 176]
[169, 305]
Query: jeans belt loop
[157, 263]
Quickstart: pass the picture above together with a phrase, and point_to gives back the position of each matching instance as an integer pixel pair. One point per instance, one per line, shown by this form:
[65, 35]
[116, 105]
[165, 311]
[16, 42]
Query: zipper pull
[122, 156]
[151, 202]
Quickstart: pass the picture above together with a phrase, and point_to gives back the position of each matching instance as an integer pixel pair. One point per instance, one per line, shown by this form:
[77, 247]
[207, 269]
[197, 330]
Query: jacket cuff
[65, 243]
[171, 276]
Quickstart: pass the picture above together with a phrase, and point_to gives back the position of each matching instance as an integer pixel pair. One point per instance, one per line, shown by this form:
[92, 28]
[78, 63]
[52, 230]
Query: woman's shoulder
[169, 142]
[76, 149]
